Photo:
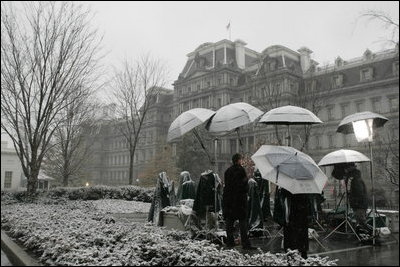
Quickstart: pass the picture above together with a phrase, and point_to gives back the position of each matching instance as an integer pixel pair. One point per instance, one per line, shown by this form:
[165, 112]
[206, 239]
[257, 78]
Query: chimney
[240, 53]
[305, 58]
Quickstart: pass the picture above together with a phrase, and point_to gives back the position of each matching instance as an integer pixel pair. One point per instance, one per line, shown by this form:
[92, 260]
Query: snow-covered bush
[85, 193]
[79, 234]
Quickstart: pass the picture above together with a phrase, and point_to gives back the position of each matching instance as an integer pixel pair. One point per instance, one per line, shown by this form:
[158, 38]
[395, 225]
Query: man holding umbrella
[235, 202]
[298, 177]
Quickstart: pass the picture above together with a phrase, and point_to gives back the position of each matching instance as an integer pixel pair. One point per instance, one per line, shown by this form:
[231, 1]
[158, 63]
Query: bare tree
[387, 22]
[267, 94]
[312, 95]
[136, 88]
[49, 56]
[73, 140]
[161, 162]
[387, 157]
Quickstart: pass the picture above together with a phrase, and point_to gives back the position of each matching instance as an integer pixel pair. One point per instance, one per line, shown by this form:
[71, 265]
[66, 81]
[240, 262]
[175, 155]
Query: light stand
[373, 197]
[346, 219]
[363, 130]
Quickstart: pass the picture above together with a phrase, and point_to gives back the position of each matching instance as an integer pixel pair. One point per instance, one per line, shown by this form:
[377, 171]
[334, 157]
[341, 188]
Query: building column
[225, 53]
[213, 57]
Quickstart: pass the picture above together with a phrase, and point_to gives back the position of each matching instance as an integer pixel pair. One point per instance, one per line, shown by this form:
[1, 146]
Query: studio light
[363, 130]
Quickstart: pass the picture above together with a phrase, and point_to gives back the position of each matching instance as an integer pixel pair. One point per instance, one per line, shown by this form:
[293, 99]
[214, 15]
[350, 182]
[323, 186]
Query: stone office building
[217, 74]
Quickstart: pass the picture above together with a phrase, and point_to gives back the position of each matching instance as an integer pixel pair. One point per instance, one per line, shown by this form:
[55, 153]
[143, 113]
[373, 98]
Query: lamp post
[363, 130]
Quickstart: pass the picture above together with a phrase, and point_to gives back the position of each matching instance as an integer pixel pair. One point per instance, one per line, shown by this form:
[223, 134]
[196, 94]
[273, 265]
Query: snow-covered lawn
[120, 206]
[78, 233]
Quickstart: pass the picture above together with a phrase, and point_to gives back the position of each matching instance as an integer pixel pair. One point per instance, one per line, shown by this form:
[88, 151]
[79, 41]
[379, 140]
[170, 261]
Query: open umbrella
[289, 115]
[233, 116]
[342, 156]
[187, 121]
[290, 168]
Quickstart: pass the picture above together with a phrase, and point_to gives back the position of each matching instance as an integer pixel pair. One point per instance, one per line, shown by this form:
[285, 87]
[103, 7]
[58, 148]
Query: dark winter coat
[235, 193]
[254, 212]
[187, 187]
[358, 192]
[295, 231]
[161, 199]
[263, 192]
[205, 195]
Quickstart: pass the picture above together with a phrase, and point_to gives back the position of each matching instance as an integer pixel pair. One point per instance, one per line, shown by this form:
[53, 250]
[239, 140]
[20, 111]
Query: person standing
[235, 202]
[295, 226]
[358, 194]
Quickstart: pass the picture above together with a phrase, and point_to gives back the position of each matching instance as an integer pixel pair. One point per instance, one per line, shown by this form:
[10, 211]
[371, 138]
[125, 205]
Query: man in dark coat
[295, 227]
[358, 194]
[235, 202]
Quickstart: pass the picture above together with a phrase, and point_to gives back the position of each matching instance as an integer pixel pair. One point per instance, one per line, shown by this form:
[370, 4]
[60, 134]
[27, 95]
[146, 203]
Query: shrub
[82, 193]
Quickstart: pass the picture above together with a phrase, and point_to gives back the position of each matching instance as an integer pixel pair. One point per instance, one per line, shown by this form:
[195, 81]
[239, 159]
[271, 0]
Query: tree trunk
[65, 180]
[65, 173]
[131, 169]
[32, 182]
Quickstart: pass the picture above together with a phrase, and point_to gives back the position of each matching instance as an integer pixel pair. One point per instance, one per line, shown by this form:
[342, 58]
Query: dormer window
[337, 81]
[366, 74]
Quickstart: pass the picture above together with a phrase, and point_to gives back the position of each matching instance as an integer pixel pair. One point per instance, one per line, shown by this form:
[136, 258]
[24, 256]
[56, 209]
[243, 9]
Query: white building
[11, 169]
[12, 176]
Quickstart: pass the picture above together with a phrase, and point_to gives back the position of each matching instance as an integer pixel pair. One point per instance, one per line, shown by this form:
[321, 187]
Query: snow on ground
[77, 233]
[120, 206]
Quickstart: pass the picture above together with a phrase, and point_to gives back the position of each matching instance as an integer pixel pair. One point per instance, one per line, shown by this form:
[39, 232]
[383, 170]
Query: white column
[225, 53]
[213, 57]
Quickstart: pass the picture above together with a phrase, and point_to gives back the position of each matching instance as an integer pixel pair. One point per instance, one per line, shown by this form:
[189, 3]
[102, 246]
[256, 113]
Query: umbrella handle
[240, 140]
[277, 174]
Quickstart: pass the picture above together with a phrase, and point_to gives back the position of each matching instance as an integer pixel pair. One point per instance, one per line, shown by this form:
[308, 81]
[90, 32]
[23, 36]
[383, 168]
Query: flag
[228, 26]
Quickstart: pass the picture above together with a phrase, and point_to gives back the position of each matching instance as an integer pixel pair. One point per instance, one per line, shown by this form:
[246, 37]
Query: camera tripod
[346, 220]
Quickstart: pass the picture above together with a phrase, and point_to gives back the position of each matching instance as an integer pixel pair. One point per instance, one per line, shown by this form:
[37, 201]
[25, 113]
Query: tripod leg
[334, 230]
[319, 242]
[322, 228]
[359, 239]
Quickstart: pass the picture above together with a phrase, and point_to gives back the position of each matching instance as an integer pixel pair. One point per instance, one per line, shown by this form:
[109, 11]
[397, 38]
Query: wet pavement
[344, 247]
[4, 259]
[385, 255]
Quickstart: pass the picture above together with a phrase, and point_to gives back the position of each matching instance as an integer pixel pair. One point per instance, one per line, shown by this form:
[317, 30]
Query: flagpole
[230, 29]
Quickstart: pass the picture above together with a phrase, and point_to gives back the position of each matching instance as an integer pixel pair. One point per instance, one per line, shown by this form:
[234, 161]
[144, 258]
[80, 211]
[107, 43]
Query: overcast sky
[170, 30]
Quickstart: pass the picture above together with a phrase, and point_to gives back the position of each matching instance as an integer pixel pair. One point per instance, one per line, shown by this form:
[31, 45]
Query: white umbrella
[342, 156]
[289, 115]
[290, 168]
[187, 121]
[233, 116]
